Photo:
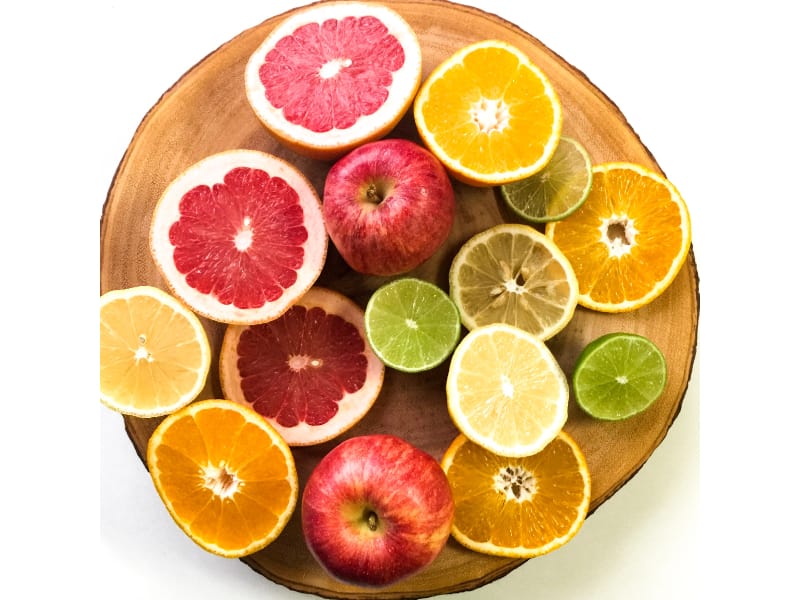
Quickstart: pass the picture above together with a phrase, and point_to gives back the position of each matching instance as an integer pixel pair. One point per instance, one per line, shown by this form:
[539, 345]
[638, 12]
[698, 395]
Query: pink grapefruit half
[310, 373]
[239, 236]
[333, 76]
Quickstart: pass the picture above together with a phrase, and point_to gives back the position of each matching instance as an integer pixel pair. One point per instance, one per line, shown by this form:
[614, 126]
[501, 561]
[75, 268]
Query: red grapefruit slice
[310, 372]
[333, 76]
[239, 236]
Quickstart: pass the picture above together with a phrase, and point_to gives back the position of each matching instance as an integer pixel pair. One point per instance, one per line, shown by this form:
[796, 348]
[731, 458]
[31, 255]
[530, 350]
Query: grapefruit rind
[330, 145]
[351, 408]
[209, 171]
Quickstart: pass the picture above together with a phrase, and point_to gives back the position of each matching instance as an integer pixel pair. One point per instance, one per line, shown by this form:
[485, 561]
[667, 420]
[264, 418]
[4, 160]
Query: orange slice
[154, 352]
[226, 476]
[239, 236]
[517, 507]
[310, 373]
[333, 76]
[489, 114]
[628, 240]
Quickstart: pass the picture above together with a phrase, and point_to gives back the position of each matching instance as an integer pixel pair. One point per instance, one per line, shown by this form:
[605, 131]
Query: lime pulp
[619, 375]
[555, 192]
[412, 325]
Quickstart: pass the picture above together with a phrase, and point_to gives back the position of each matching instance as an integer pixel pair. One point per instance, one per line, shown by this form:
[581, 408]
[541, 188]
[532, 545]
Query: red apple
[388, 206]
[376, 509]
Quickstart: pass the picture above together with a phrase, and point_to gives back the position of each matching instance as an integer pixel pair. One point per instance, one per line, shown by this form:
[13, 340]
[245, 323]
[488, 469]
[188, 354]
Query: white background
[710, 91]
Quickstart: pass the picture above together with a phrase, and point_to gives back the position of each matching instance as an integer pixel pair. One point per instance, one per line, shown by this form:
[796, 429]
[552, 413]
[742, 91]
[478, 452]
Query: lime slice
[619, 375]
[511, 273]
[411, 324]
[557, 190]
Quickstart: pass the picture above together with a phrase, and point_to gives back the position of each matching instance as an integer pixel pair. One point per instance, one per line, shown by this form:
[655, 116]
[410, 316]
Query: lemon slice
[505, 390]
[154, 352]
[513, 274]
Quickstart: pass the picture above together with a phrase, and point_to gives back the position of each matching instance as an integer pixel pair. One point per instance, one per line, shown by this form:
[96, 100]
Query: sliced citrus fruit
[619, 375]
[333, 76]
[411, 324]
[628, 240]
[226, 476]
[310, 372]
[511, 273]
[489, 114]
[506, 391]
[518, 507]
[557, 190]
[154, 352]
[239, 236]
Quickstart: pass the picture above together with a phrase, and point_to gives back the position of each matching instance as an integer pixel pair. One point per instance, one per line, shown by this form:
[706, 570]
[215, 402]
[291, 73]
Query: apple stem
[373, 195]
[371, 519]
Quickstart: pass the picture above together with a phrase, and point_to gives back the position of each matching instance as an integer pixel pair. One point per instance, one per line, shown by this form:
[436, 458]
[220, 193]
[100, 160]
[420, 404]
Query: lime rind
[555, 192]
[412, 325]
[619, 375]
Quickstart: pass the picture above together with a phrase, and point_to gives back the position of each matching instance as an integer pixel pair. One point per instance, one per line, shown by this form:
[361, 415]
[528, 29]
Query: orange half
[628, 240]
[517, 507]
[225, 475]
[489, 114]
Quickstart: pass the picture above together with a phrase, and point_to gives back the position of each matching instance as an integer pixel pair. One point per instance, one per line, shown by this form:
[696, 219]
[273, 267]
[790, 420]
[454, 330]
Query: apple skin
[375, 510]
[388, 206]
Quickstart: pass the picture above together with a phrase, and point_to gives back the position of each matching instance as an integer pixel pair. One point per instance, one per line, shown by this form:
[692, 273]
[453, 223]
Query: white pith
[333, 67]
[244, 238]
[516, 483]
[490, 115]
[618, 246]
[221, 481]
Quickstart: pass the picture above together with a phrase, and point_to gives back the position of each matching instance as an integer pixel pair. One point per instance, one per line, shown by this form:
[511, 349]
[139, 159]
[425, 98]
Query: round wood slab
[206, 111]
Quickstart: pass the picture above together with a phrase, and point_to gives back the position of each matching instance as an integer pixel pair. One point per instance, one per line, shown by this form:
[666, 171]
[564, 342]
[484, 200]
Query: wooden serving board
[206, 111]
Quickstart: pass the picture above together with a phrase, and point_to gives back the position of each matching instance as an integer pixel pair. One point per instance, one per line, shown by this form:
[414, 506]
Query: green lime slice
[619, 375]
[557, 190]
[411, 324]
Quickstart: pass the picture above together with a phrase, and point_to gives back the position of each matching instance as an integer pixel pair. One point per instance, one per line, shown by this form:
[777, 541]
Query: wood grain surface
[206, 111]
